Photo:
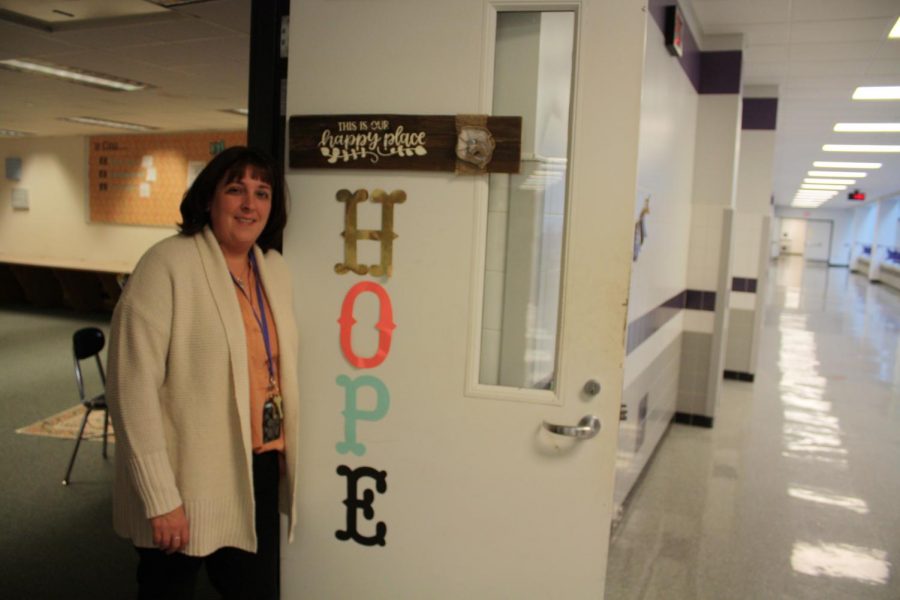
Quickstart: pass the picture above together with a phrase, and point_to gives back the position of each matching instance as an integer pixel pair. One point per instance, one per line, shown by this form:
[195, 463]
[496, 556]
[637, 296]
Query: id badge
[271, 420]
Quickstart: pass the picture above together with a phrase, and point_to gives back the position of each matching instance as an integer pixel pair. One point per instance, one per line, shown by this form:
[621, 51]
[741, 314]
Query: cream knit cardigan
[178, 394]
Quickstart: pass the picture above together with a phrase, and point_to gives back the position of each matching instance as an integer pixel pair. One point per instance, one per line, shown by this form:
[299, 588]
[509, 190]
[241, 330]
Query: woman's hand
[170, 530]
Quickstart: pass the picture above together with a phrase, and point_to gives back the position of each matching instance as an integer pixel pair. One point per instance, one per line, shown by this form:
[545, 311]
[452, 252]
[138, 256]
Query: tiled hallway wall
[863, 234]
[709, 263]
[677, 307]
[677, 312]
[658, 285]
[753, 210]
[885, 265]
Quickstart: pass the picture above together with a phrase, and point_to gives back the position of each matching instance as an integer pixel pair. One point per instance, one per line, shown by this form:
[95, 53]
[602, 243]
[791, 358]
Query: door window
[533, 65]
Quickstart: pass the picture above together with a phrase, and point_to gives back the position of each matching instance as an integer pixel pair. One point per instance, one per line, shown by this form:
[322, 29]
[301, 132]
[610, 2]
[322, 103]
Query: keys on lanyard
[272, 414]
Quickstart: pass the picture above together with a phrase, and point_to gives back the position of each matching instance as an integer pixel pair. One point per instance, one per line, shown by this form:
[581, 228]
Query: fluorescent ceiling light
[824, 164]
[828, 180]
[867, 127]
[108, 82]
[108, 123]
[816, 192]
[13, 133]
[860, 148]
[895, 31]
[880, 92]
[822, 186]
[857, 174]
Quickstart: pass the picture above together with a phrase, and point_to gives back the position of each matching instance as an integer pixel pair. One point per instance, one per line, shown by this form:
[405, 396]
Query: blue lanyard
[261, 319]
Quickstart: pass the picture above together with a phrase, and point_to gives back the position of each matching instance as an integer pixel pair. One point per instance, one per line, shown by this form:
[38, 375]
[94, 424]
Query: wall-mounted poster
[140, 179]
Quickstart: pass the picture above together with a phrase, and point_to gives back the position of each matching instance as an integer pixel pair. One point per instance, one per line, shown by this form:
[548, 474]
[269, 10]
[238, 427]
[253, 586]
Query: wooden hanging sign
[465, 144]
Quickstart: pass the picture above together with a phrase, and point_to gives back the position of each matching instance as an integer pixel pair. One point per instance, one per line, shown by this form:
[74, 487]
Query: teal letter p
[352, 414]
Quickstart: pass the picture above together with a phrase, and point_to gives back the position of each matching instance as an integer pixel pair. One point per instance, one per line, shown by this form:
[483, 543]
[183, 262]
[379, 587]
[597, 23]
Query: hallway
[794, 492]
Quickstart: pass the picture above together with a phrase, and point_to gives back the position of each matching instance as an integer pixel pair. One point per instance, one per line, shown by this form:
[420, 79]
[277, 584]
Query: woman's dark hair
[229, 165]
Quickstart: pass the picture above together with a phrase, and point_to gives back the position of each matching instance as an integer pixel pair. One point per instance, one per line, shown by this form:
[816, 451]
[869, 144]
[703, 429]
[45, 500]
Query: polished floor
[795, 493]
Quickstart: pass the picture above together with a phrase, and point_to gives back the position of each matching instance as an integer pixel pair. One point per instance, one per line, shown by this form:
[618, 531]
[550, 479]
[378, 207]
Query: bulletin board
[141, 179]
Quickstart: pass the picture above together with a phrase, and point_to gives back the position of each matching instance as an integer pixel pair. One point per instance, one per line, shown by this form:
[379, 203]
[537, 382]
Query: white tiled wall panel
[745, 253]
[643, 356]
[699, 321]
[715, 163]
[639, 433]
[754, 188]
[705, 245]
[742, 300]
[665, 159]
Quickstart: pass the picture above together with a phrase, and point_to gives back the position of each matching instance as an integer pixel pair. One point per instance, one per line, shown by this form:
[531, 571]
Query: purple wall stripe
[649, 323]
[657, 10]
[700, 300]
[708, 72]
[759, 113]
[720, 72]
[743, 284]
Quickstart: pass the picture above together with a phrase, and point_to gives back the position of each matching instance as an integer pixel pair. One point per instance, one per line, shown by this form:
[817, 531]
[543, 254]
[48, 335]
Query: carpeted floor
[57, 542]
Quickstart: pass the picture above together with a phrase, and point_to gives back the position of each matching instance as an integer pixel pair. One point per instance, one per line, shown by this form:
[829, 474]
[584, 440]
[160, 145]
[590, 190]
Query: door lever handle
[587, 427]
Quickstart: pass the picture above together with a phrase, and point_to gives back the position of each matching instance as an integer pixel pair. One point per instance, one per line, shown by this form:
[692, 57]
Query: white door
[418, 480]
[793, 236]
[818, 241]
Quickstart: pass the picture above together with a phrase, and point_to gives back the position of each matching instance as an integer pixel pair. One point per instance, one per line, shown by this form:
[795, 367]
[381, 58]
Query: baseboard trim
[738, 376]
[693, 420]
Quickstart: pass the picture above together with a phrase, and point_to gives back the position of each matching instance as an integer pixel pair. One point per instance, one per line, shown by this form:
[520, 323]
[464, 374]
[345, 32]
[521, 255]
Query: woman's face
[239, 212]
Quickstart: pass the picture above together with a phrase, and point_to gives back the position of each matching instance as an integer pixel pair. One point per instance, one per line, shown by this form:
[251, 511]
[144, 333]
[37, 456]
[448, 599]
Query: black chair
[86, 343]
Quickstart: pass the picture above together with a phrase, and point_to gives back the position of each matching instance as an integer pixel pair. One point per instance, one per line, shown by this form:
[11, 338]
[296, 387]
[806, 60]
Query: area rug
[66, 423]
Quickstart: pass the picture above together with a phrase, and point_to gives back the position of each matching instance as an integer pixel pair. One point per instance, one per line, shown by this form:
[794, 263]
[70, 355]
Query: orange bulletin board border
[141, 179]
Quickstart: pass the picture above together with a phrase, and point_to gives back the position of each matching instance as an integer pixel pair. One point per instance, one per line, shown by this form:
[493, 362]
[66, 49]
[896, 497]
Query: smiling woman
[202, 349]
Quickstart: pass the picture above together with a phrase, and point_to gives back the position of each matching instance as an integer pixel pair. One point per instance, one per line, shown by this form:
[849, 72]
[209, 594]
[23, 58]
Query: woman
[203, 390]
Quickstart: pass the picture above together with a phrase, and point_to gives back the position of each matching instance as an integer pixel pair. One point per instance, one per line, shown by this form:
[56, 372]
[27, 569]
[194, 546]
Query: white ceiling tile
[770, 53]
[853, 30]
[836, 68]
[818, 10]
[771, 68]
[828, 51]
[18, 41]
[232, 14]
[726, 16]
[204, 52]
[108, 37]
[883, 67]
[766, 33]
[185, 30]
[889, 49]
[43, 10]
